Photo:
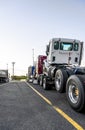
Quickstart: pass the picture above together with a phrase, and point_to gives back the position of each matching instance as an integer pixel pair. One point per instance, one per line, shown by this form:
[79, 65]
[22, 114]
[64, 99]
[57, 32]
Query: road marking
[69, 119]
[41, 95]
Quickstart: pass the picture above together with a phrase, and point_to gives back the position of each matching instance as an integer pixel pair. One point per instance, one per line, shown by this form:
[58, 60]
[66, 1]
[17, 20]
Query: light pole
[7, 70]
[7, 66]
[13, 63]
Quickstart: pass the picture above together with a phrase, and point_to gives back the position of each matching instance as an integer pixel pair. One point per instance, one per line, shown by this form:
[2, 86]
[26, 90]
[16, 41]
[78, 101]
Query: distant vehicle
[34, 72]
[62, 70]
[4, 78]
[30, 75]
[39, 67]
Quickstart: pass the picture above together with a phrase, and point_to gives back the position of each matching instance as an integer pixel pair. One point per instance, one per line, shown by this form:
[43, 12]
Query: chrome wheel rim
[58, 82]
[73, 93]
[44, 84]
[40, 82]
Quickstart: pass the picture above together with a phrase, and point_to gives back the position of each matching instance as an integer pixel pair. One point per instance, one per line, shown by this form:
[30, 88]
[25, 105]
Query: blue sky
[28, 24]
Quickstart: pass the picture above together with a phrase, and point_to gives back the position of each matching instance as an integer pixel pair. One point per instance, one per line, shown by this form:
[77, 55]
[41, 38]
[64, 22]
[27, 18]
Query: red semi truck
[34, 72]
[39, 67]
[39, 64]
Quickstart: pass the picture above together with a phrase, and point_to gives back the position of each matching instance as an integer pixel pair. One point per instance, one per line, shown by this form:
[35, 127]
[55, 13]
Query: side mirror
[47, 50]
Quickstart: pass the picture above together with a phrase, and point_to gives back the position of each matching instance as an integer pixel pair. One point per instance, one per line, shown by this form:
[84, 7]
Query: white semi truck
[62, 68]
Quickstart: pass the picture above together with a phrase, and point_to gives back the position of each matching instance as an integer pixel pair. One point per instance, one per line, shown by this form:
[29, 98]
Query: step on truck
[62, 70]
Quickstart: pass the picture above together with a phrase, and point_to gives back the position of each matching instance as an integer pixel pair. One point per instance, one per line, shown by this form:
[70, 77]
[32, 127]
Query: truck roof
[64, 39]
[3, 73]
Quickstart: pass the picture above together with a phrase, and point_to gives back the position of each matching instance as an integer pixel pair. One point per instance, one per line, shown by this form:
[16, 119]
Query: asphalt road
[26, 106]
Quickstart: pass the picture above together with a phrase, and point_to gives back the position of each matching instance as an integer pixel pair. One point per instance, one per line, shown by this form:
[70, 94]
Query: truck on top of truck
[62, 69]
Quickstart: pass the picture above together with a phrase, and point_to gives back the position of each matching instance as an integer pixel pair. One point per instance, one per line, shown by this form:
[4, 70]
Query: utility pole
[13, 63]
[7, 66]
[7, 70]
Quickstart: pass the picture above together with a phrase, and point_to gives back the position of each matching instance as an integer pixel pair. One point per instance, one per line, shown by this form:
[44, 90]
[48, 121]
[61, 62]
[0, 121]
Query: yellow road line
[69, 119]
[41, 95]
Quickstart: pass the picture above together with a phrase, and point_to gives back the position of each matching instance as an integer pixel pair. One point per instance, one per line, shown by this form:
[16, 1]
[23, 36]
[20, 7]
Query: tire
[45, 84]
[69, 72]
[38, 80]
[30, 80]
[41, 80]
[75, 92]
[60, 80]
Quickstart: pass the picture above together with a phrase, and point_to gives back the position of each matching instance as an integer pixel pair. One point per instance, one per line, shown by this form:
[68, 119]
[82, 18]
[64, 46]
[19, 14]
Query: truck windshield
[66, 46]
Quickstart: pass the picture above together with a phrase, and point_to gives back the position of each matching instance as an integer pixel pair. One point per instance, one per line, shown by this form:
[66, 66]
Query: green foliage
[22, 77]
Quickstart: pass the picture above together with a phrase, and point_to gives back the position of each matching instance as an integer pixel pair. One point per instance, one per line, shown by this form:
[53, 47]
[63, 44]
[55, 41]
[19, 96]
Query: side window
[76, 46]
[56, 45]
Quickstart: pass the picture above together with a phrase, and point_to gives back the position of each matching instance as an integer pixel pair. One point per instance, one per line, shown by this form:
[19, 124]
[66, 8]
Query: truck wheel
[75, 92]
[60, 80]
[41, 80]
[45, 85]
[38, 80]
[69, 72]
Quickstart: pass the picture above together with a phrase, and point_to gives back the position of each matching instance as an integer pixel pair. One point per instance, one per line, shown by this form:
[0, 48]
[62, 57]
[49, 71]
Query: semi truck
[39, 68]
[4, 77]
[30, 75]
[62, 69]
[34, 72]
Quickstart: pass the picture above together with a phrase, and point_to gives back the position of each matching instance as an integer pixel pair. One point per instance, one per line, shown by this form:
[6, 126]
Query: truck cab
[64, 51]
